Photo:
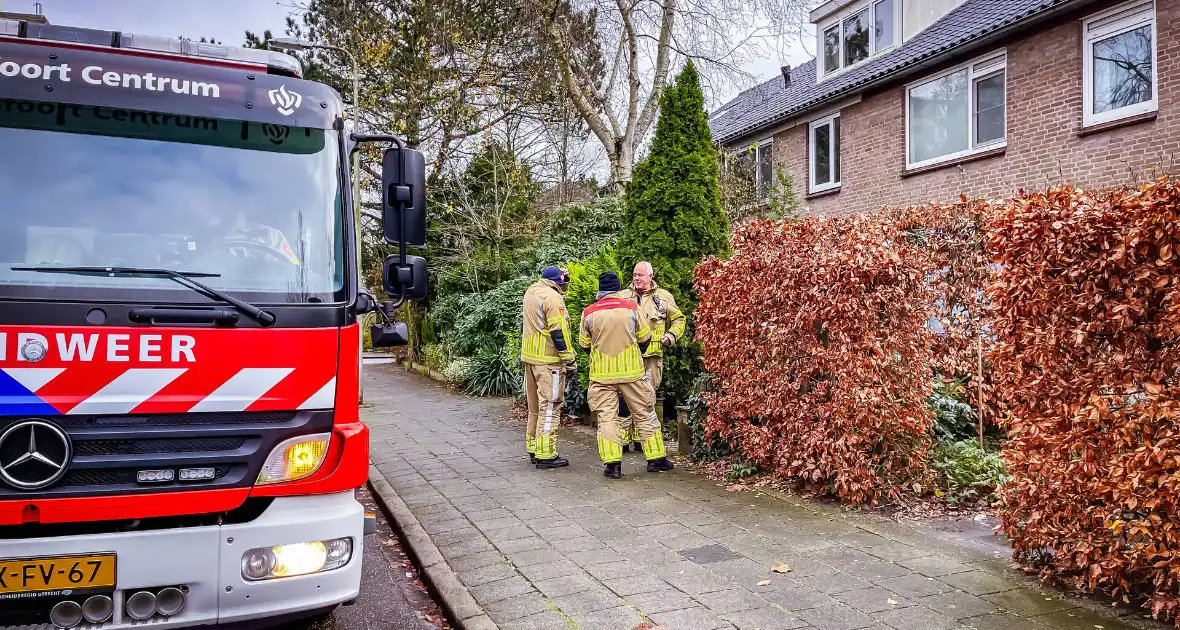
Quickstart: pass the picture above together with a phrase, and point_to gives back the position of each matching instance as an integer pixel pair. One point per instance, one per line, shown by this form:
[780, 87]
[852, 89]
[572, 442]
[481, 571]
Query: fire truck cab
[179, 332]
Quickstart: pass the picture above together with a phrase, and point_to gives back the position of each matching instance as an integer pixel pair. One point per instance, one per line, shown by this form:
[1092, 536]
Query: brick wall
[1044, 87]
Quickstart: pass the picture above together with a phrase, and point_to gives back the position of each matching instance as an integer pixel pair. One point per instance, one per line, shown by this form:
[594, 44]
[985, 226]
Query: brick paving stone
[1002, 621]
[747, 574]
[465, 548]
[914, 585]
[979, 582]
[916, 618]
[1081, 619]
[561, 568]
[615, 618]
[527, 543]
[958, 604]
[487, 593]
[634, 585]
[802, 598]
[766, 619]
[692, 578]
[874, 569]
[935, 566]
[696, 618]
[565, 585]
[660, 601]
[834, 582]
[836, 617]
[731, 600]
[592, 600]
[614, 570]
[873, 599]
[516, 607]
[1029, 603]
[475, 561]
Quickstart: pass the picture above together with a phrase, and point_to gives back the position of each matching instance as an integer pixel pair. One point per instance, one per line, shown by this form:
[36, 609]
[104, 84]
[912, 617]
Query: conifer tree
[673, 204]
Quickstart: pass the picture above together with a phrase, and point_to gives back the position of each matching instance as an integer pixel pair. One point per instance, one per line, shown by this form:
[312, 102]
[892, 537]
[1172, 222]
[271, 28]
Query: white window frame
[1129, 23]
[978, 68]
[811, 146]
[838, 22]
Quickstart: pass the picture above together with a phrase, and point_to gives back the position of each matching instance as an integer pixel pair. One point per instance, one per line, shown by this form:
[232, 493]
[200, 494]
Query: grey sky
[227, 20]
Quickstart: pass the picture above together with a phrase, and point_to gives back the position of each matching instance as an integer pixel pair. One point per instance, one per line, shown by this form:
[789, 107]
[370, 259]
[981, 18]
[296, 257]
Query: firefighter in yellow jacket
[547, 352]
[667, 326]
[615, 334]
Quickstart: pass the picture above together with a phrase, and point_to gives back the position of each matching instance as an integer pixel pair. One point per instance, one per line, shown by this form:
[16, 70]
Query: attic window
[863, 30]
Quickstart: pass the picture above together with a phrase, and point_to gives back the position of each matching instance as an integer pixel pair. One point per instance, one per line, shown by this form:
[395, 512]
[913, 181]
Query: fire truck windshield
[259, 205]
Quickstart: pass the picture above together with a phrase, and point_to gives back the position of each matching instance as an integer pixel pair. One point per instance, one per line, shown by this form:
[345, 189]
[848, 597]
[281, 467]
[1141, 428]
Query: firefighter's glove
[571, 368]
[668, 339]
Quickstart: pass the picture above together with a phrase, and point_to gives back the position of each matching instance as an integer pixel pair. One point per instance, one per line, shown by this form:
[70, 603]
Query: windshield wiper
[183, 278]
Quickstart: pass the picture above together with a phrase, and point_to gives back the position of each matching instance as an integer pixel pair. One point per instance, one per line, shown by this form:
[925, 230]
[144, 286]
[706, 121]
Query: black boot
[626, 448]
[638, 446]
[556, 462]
[532, 458]
[659, 465]
[614, 471]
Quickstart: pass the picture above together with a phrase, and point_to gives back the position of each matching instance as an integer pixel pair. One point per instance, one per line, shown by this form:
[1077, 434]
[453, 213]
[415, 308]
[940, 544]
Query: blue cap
[552, 273]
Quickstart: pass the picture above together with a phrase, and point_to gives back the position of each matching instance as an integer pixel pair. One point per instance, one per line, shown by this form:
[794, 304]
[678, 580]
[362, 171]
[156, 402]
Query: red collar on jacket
[610, 302]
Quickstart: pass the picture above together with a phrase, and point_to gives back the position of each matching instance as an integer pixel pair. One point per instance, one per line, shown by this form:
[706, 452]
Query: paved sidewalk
[569, 548]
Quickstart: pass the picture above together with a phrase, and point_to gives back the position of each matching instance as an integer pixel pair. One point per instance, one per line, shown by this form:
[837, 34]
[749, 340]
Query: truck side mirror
[403, 192]
[408, 279]
[389, 334]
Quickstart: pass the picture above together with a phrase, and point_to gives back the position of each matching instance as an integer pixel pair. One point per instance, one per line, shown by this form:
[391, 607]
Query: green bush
[579, 231]
[968, 473]
[954, 418]
[435, 357]
[458, 371]
[704, 448]
[483, 320]
[494, 372]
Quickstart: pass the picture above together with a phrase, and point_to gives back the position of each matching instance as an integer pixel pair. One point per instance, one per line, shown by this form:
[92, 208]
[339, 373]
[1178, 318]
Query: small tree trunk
[979, 379]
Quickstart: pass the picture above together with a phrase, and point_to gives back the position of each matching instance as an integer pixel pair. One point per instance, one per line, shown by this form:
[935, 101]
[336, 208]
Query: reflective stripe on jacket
[611, 330]
[543, 314]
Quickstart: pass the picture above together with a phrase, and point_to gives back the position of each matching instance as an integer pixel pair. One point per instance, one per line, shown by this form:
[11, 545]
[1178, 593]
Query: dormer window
[858, 32]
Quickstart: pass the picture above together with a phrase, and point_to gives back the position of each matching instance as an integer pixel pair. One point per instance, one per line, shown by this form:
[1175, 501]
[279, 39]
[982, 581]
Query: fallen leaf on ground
[764, 583]
[891, 601]
[781, 567]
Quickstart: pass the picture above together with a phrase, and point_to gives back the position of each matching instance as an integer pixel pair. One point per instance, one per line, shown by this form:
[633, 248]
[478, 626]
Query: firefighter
[667, 326]
[615, 334]
[547, 352]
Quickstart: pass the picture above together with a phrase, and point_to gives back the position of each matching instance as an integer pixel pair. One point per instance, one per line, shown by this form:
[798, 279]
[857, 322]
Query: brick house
[916, 100]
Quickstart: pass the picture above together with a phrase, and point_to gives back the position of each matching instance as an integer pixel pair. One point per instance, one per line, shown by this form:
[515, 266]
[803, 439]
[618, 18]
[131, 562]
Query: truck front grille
[110, 451]
[95, 448]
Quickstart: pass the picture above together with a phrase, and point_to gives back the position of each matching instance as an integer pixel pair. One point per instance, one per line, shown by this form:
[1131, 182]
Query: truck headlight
[265, 563]
[295, 458]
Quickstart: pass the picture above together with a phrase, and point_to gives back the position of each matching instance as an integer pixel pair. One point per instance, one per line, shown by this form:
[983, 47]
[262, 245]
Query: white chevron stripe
[128, 390]
[33, 379]
[325, 398]
[242, 389]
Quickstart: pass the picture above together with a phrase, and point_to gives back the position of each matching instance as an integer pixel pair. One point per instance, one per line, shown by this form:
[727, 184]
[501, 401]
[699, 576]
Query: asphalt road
[392, 595]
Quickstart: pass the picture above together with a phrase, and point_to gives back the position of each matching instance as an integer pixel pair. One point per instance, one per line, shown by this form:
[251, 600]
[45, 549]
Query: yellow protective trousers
[544, 387]
[653, 373]
[604, 400]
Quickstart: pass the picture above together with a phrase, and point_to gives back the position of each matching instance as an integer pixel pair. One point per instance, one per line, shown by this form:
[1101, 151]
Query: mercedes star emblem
[34, 454]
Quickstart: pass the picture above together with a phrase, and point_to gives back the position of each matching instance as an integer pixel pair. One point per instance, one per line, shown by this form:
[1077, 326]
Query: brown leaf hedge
[1086, 310]
[825, 336]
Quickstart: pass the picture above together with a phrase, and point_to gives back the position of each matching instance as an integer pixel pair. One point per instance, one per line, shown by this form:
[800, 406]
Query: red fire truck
[179, 332]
